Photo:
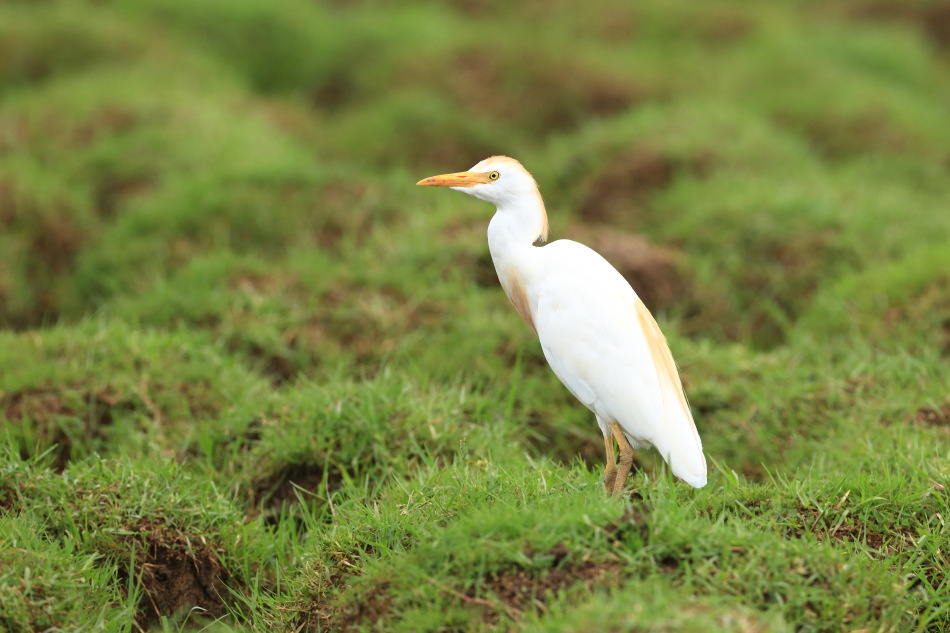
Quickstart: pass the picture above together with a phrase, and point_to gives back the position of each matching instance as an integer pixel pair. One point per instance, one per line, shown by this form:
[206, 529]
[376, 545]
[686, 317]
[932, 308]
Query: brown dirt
[321, 613]
[8, 202]
[57, 240]
[36, 129]
[335, 91]
[349, 210]
[111, 191]
[932, 18]
[622, 189]
[175, 576]
[366, 613]
[930, 307]
[933, 417]
[7, 499]
[274, 364]
[76, 417]
[725, 27]
[43, 407]
[633, 517]
[109, 188]
[786, 278]
[842, 137]
[653, 271]
[264, 283]
[886, 544]
[364, 322]
[37, 404]
[511, 592]
[810, 521]
[108, 120]
[368, 322]
[282, 487]
[53, 246]
[52, 234]
[519, 590]
[534, 92]
[563, 443]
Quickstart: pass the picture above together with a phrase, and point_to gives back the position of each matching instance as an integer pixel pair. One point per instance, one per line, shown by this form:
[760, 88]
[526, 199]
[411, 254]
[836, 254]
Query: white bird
[596, 334]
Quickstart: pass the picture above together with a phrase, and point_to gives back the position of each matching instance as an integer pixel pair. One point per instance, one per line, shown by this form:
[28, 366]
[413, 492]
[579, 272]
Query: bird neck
[516, 226]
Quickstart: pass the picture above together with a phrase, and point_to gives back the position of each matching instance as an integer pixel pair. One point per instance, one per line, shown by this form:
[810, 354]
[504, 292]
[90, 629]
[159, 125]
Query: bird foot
[610, 476]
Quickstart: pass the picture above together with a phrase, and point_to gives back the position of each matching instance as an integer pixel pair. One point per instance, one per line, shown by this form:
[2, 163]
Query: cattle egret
[596, 334]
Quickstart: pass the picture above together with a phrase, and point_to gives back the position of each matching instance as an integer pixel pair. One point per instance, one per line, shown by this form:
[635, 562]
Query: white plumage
[596, 334]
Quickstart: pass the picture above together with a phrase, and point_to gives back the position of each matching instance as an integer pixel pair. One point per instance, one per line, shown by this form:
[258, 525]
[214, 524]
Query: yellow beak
[459, 179]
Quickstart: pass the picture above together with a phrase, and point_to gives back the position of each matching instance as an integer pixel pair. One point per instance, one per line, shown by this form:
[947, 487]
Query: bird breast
[514, 285]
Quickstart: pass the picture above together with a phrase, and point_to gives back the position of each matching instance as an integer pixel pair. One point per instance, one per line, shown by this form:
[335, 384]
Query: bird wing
[607, 349]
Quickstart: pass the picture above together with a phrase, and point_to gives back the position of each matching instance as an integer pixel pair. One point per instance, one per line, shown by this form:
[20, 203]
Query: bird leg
[610, 472]
[626, 457]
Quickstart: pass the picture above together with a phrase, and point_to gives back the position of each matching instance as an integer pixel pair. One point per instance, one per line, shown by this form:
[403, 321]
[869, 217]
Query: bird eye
[493, 176]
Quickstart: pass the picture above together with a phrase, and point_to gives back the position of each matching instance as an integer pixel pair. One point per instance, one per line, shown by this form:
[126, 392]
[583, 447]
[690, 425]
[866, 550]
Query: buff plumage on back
[544, 218]
[688, 462]
[663, 360]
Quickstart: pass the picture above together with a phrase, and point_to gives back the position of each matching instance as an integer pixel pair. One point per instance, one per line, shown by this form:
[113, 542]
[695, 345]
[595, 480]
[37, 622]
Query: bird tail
[679, 444]
[682, 448]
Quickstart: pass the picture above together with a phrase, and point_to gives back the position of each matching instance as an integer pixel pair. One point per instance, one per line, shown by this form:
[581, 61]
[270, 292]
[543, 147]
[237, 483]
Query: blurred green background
[164, 160]
[213, 258]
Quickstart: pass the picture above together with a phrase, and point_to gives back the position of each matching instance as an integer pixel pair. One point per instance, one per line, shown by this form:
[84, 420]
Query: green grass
[252, 379]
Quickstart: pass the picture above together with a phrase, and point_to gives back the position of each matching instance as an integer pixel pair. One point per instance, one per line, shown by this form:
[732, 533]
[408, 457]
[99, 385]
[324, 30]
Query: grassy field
[253, 379]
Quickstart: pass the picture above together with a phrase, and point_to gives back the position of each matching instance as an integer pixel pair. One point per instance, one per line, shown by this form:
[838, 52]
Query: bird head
[506, 184]
[498, 180]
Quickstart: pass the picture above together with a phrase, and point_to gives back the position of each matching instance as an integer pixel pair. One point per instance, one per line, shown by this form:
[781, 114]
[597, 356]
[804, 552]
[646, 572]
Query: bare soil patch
[837, 136]
[175, 575]
[276, 365]
[824, 525]
[534, 91]
[783, 283]
[52, 235]
[349, 210]
[928, 310]
[932, 18]
[44, 408]
[564, 443]
[364, 322]
[519, 591]
[621, 191]
[510, 592]
[933, 416]
[370, 322]
[377, 605]
[284, 486]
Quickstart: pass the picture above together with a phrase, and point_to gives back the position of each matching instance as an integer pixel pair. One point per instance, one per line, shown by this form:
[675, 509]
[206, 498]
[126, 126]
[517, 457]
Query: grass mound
[100, 387]
[150, 539]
